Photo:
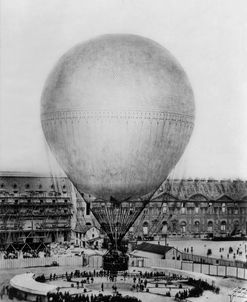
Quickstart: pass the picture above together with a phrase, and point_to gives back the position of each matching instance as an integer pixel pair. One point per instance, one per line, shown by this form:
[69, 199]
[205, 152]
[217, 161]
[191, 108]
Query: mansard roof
[202, 190]
[171, 189]
[30, 182]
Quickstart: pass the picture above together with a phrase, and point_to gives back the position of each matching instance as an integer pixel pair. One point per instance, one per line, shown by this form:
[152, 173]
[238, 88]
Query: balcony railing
[23, 215]
[35, 203]
[47, 229]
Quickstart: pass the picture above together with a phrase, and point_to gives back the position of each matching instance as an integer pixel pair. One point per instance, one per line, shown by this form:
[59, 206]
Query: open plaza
[220, 249]
[157, 280]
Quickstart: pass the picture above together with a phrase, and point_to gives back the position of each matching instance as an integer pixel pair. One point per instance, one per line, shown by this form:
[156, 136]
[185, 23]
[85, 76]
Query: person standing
[145, 283]
[1, 293]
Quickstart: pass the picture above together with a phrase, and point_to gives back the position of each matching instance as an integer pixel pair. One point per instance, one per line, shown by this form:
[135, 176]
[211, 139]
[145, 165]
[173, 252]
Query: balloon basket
[115, 261]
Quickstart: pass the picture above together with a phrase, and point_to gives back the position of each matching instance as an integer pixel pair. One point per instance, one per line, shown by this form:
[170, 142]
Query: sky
[208, 38]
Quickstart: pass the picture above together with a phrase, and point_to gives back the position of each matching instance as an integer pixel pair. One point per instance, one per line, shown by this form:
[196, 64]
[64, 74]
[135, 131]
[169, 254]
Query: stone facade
[87, 236]
[35, 209]
[195, 208]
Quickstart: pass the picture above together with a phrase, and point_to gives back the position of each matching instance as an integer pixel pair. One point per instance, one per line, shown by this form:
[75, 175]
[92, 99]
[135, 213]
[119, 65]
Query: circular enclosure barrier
[108, 286]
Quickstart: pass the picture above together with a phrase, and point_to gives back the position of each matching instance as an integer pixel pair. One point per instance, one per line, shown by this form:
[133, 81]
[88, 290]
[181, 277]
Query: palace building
[36, 209]
[196, 208]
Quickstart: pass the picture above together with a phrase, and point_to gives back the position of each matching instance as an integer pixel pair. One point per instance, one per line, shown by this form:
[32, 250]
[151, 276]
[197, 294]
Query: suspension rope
[54, 177]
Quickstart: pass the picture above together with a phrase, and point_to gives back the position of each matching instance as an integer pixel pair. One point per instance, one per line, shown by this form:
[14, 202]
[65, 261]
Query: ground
[157, 295]
[199, 247]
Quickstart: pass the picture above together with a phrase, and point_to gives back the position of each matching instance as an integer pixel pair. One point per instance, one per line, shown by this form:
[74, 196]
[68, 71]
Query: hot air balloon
[117, 112]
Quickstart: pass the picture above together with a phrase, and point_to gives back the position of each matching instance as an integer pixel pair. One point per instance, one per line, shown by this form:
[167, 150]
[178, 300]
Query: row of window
[27, 186]
[36, 212]
[16, 201]
[196, 210]
[183, 226]
[32, 194]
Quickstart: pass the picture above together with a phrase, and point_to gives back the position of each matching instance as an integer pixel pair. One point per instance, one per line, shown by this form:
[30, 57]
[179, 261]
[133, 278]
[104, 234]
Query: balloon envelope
[118, 112]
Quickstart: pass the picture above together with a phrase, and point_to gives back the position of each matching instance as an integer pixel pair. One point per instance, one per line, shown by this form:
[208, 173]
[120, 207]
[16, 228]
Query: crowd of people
[140, 281]
[193, 292]
[18, 254]
[67, 297]
[139, 284]
[203, 284]
[197, 290]
[102, 273]
[89, 275]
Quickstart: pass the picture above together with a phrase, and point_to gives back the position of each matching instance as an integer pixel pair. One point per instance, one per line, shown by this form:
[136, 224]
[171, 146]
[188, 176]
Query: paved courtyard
[155, 294]
[200, 247]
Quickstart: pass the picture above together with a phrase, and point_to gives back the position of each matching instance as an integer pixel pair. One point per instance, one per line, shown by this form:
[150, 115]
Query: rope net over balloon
[118, 112]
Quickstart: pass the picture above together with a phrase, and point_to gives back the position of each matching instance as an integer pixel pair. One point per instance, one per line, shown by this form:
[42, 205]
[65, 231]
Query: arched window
[197, 226]
[183, 226]
[223, 226]
[236, 227]
[210, 226]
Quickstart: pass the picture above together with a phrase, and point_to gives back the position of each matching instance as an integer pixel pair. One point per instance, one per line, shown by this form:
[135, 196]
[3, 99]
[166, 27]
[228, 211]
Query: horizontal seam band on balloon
[57, 115]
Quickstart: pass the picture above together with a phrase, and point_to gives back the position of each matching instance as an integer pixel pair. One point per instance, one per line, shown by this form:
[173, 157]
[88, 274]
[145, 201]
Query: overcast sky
[209, 39]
